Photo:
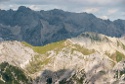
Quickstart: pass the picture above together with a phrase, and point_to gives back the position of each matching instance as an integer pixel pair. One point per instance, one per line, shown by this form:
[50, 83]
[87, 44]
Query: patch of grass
[58, 46]
[37, 63]
[121, 44]
[83, 50]
[26, 44]
[117, 56]
[48, 47]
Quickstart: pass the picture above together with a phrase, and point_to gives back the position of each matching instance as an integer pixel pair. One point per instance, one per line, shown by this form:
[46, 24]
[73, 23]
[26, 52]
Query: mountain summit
[43, 27]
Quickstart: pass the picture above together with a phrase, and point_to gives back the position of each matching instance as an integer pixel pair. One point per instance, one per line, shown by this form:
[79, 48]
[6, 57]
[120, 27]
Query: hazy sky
[112, 9]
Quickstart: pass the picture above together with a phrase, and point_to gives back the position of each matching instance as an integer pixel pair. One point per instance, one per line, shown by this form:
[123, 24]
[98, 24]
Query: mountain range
[86, 59]
[60, 47]
[44, 27]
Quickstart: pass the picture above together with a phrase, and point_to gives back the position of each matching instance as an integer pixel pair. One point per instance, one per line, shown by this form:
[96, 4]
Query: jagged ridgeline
[85, 59]
[43, 27]
[10, 74]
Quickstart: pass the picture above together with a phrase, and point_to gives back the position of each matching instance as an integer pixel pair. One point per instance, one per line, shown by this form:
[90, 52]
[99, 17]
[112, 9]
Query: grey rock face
[43, 27]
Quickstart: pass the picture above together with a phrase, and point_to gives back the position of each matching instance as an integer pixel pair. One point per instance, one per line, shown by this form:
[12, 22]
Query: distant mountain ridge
[43, 27]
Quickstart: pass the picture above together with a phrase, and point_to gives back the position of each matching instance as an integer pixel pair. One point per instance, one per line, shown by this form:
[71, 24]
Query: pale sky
[105, 9]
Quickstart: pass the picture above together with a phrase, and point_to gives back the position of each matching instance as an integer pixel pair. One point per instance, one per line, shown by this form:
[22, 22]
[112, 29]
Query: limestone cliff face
[86, 59]
[15, 53]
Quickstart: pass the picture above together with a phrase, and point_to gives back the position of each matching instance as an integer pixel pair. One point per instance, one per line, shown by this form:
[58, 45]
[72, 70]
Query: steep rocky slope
[86, 59]
[15, 53]
[43, 27]
[95, 55]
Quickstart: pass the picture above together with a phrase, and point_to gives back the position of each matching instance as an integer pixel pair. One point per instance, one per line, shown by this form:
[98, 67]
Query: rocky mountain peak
[93, 36]
[24, 9]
